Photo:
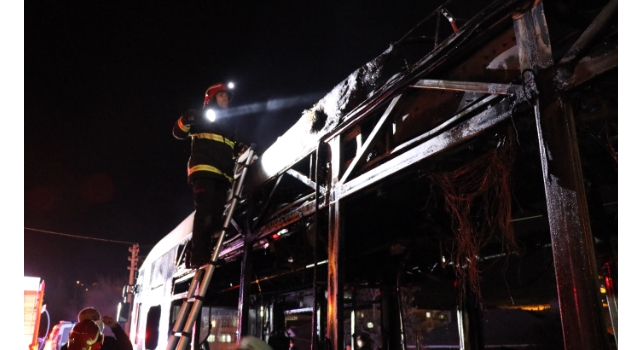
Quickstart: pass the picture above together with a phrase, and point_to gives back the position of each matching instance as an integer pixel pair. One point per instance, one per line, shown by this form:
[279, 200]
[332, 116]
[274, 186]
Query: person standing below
[363, 342]
[210, 169]
[85, 335]
[120, 342]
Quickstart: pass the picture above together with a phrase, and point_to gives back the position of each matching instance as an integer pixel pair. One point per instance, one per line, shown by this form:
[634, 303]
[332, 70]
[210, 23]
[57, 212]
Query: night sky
[104, 82]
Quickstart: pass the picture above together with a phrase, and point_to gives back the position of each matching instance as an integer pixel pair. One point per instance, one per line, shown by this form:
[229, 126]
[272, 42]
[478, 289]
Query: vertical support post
[469, 314]
[246, 271]
[353, 323]
[270, 326]
[321, 314]
[571, 239]
[401, 316]
[277, 324]
[321, 176]
[134, 249]
[390, 311]
[335, 285]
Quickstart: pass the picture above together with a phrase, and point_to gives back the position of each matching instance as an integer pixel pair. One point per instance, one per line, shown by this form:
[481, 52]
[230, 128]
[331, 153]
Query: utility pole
[133, 267]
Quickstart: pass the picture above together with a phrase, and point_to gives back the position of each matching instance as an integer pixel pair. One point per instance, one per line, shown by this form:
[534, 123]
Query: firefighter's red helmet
[214, 89]
[85, 335]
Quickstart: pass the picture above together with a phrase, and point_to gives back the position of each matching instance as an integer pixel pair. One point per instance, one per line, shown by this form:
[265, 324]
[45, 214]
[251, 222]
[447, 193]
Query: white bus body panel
[155, 286]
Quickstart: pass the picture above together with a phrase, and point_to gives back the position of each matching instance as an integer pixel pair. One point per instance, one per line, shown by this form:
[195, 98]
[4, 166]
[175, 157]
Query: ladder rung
[183, 334]
[194, 298]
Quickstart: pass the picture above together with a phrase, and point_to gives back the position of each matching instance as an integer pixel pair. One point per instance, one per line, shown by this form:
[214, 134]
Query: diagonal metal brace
[521, 92]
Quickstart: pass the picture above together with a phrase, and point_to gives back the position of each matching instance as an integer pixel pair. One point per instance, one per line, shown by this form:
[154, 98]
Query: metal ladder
[200, 282]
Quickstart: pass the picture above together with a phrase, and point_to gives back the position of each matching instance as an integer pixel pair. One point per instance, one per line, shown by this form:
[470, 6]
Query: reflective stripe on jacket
[214, 137]
[212, 147]
[203, 167]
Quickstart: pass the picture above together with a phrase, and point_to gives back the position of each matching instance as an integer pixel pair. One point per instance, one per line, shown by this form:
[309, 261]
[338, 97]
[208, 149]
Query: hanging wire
[81, 237]
[436, 11]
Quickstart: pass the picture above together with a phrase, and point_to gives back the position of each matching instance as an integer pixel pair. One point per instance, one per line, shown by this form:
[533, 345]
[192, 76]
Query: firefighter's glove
[240, 148]
[190, 117]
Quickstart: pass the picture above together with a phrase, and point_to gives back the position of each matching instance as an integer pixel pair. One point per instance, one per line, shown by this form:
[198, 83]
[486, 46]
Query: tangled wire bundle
[478, 197]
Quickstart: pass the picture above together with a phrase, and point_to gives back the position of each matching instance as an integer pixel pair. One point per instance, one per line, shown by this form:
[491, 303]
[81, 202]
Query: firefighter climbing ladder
[200, 282]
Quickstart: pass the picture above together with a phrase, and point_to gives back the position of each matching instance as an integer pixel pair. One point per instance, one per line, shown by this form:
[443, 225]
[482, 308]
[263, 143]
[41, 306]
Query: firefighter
[210, 169]
[292, 344]
[119, 342]
[364, 341]
[85, 335]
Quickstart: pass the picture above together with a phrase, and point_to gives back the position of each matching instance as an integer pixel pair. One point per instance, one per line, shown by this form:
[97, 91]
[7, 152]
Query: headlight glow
[210, 114]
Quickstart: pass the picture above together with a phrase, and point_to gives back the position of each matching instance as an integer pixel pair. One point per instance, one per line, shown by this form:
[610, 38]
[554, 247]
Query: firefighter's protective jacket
[213, 145]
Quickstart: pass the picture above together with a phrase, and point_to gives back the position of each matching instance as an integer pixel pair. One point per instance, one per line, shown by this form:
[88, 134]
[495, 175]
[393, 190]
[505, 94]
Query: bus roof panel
[179, 234]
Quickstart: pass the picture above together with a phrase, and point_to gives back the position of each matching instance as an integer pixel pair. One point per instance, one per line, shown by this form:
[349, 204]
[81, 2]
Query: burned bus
[459, 191]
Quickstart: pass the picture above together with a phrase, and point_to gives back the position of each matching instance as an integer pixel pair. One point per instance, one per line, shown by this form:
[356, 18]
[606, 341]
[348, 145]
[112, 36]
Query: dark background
[104, 82]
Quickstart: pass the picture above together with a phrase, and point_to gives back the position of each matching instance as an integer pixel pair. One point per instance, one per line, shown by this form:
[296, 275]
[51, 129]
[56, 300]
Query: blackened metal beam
[477, 29]
[287, 219]
[468, 86]
[278, 223]
[532, 38]
[291, 206]
[571, 239]
[447, 139]
[429, 134]
[390, 320]
[589, 68]
[257, 280]
[372, 137]
[264, 206]
[590, 33]
[335, 280]
[319, 217]
[244, 293]
[305, 180]
[469, 37]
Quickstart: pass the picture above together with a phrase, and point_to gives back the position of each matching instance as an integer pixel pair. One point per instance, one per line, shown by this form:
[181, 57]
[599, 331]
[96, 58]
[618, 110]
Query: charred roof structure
[458, 191]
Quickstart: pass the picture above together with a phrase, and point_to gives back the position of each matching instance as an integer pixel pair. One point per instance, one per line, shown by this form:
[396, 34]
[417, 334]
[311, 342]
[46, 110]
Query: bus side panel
[152, 303]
